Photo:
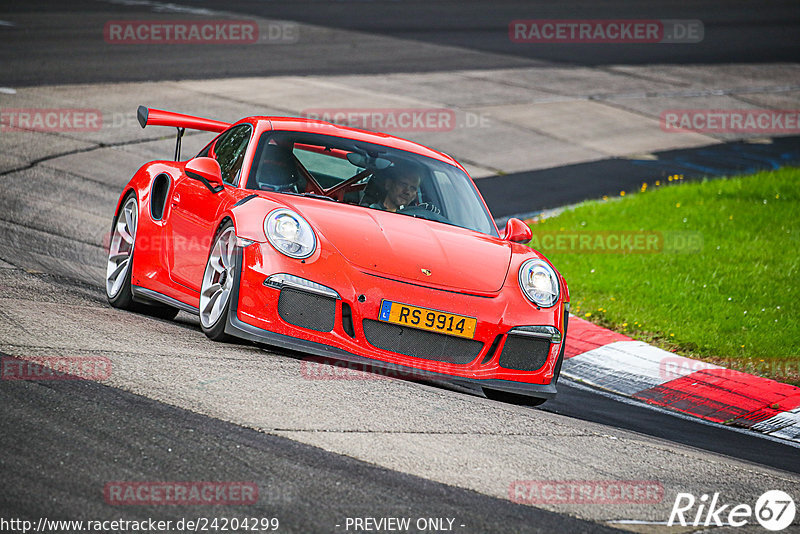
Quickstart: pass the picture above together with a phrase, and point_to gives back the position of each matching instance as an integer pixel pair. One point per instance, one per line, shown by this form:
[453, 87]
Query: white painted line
[784, 425]
[629, 367]
[7, 91]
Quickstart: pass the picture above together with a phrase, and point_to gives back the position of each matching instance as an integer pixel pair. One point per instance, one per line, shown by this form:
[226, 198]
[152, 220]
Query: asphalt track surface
[526, 193]
[76, 448]
[99, 433]
[70, 46]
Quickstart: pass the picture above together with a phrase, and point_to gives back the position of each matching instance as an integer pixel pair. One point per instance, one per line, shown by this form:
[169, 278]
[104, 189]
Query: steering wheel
[425, 211]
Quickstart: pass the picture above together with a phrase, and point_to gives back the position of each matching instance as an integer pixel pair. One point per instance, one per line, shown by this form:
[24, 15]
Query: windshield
[367, 175]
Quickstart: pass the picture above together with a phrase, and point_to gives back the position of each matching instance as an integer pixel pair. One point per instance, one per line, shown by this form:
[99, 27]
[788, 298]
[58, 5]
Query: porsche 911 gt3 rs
[342, 244]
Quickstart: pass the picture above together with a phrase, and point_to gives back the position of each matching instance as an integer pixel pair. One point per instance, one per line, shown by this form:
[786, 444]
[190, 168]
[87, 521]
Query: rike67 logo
[774, 510]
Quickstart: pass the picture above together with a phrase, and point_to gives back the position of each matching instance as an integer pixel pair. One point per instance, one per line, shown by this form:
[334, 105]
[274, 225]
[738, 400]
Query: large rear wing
[157, 117]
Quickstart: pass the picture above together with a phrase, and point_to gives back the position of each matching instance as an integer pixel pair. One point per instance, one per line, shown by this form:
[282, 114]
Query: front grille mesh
[524, 353]
[307, 310]
[421, 343]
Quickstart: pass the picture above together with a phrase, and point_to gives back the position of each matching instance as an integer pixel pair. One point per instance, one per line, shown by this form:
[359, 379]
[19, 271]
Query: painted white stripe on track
[783, 425]
[629, 367]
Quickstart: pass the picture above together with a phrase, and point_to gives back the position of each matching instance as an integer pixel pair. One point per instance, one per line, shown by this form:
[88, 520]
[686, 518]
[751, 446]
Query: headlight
[539, 283]
[290, 234]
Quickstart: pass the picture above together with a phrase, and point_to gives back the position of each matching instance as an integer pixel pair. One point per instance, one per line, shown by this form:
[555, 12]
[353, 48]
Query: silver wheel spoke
[123, 233]
[216, 264]
[121, 266]
[213, 299]
[219, 256]
[220, 302]
[117, 283]
[214, 260]
[212, 290]
[224, 255]
[130, 221]
[231, 248]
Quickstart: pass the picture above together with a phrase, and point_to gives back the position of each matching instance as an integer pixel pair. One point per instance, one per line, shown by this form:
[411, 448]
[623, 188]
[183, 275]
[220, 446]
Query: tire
[160, 311]
[120, 254]
[120, 258]
[217, 284]
[513, 398]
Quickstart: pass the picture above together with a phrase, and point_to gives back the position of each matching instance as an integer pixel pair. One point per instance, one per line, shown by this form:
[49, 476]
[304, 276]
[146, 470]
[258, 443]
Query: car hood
[410, 249]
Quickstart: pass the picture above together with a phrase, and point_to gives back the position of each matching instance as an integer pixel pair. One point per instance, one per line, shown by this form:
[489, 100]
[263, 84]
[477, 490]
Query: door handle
[176, 199]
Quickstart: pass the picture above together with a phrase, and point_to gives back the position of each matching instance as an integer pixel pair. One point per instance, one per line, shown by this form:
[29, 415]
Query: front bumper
[253, 315]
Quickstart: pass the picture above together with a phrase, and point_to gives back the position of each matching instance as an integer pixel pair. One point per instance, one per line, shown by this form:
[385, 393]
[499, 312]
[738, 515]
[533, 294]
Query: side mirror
[517, 231]
[207, 171]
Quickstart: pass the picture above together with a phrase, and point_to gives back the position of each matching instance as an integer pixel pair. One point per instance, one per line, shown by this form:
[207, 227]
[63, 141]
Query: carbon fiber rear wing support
[178, 144]
[157, 117]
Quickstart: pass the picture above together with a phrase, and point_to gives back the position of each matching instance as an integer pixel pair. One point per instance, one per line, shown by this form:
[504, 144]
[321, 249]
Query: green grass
[733, 299]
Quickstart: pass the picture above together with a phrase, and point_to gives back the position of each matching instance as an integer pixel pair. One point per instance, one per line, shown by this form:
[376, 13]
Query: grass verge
[705, 269]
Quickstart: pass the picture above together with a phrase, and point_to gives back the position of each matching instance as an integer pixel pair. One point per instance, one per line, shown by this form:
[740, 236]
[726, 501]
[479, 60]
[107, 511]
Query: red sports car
[343, 244]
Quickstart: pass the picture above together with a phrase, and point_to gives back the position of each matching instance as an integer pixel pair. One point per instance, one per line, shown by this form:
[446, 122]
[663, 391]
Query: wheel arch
[226, 217]
[125, 192]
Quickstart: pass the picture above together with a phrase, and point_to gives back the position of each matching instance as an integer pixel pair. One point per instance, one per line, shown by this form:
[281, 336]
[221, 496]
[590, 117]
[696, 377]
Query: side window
[204, 153]
[229, 152]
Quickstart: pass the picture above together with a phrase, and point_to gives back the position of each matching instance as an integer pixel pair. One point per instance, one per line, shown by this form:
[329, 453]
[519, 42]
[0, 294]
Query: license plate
[426, 319]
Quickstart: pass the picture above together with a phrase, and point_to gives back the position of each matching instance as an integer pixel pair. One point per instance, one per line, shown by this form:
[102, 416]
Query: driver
[402, 184]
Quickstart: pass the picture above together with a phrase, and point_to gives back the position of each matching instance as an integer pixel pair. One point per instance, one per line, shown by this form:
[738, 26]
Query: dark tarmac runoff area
[67, 46]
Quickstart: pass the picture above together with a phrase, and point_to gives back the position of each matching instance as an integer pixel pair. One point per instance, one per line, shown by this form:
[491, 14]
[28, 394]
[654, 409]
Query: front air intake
[421, 343]
[307, 310]
[524, 353]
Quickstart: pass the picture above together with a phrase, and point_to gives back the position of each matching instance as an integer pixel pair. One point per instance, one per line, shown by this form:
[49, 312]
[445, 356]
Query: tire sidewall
[217, 330]
[124, 297]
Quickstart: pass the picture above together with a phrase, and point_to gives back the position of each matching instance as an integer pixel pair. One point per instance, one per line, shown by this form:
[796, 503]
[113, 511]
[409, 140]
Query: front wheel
[120, 259]
[215, 290]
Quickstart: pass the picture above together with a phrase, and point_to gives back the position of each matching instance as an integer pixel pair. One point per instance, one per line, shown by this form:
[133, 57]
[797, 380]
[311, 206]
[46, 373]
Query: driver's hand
[430, 207]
